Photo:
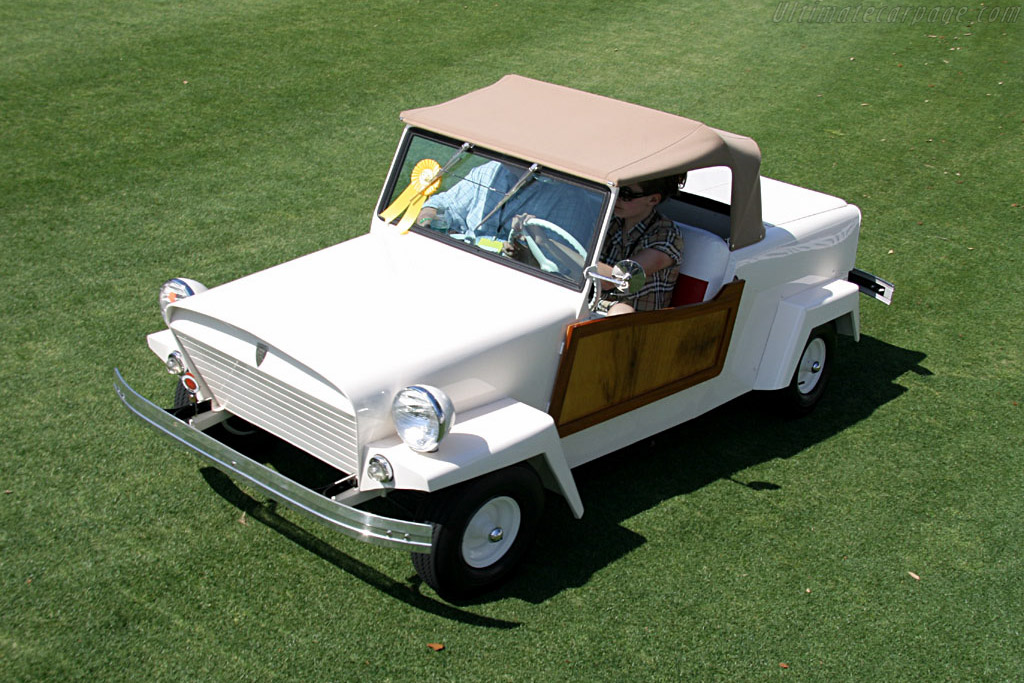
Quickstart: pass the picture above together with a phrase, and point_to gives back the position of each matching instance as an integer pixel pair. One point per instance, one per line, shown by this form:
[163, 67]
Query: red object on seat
[689, 290]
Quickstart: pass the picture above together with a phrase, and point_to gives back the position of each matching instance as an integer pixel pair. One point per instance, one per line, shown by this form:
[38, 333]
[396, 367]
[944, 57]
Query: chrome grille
[282, 410]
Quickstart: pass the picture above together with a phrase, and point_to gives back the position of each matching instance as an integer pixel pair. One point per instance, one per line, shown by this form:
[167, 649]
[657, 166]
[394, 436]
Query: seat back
[702, 271]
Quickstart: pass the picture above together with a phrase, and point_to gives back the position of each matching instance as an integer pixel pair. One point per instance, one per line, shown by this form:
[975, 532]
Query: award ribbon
[425, 182]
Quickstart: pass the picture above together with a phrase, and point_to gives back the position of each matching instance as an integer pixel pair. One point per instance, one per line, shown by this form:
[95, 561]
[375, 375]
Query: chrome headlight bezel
[175, 363]
[379, 469]
[423, 416]
[176, 289]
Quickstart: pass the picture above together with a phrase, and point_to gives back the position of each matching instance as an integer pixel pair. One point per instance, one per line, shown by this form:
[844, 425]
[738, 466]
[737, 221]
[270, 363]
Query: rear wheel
[812, 372]
[482, 529]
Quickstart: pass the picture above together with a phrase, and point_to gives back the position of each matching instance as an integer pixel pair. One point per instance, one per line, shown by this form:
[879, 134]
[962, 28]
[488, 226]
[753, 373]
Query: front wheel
[235, 426]
[181, 397]
[482, 529]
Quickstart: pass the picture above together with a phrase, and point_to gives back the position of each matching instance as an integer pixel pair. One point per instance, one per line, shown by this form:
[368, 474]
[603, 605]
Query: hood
[385, 310]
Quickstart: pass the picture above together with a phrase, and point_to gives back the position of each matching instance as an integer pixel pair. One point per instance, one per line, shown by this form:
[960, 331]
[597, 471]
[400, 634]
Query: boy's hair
[667, 187]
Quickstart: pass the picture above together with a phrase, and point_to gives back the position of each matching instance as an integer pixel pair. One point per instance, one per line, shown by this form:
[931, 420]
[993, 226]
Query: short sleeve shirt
[653, 232]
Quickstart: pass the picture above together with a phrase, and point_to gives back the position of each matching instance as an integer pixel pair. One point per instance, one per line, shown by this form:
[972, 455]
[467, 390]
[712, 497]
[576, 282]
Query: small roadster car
[423, 360]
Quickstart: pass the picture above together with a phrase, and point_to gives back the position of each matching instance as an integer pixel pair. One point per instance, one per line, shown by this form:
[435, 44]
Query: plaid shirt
[653, 232]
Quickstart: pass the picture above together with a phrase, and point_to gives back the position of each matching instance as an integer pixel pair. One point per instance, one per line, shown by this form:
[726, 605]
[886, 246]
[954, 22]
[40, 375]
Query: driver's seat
[702, 271]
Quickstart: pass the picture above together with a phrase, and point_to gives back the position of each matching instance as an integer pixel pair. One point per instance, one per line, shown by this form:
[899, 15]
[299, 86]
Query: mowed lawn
[879, 539]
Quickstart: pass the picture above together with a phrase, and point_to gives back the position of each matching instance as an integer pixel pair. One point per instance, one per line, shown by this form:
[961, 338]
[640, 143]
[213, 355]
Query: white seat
[705, 259]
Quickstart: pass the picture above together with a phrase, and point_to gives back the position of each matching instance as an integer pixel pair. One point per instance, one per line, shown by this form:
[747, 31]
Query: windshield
[503, 208]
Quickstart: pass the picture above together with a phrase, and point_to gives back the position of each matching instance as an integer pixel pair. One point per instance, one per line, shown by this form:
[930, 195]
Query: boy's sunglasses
[628, 195]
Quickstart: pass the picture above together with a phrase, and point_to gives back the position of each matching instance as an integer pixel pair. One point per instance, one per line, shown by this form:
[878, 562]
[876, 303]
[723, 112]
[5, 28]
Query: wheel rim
[808, 374]
[491, 531]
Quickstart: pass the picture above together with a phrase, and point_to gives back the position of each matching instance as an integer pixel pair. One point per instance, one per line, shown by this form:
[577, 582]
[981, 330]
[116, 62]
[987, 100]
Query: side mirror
[630, 276]
[627, 277]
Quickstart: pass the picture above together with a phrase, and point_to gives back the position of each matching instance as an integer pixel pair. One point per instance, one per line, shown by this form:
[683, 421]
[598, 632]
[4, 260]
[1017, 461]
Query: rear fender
[835, 300]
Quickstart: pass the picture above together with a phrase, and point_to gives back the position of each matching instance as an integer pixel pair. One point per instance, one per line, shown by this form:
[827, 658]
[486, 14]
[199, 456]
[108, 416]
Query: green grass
[140, 141]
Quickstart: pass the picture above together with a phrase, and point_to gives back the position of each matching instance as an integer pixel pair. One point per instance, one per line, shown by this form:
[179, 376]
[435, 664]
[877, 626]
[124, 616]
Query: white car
[421, 361]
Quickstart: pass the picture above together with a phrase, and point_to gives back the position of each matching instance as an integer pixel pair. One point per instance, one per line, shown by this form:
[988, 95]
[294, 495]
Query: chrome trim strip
[374, 529]
[872, 286]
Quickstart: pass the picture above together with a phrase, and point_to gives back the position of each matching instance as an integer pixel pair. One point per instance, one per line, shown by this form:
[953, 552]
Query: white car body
[314, 350]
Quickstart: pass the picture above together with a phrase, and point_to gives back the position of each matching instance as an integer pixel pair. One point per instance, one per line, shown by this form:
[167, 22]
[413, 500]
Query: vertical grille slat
[296, 417]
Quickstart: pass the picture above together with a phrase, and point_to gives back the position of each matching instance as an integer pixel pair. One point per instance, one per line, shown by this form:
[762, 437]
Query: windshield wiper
[523, 179]
[466, 146]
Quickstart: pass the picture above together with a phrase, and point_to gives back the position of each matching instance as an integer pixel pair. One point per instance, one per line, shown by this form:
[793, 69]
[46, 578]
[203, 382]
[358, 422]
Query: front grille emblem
[261, 353]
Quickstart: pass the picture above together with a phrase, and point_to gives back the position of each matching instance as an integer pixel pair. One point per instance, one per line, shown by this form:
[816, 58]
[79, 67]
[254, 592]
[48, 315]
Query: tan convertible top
[598, 138]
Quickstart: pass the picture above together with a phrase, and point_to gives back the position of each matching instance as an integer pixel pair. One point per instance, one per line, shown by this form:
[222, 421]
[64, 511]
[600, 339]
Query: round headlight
[423, 415]
[177, 289]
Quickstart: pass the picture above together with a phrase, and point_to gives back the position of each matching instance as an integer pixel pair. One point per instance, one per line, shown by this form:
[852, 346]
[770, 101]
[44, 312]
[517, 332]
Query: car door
[616, 364]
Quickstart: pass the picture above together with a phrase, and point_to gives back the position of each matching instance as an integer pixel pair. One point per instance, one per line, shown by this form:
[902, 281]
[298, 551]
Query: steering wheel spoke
[553, 259]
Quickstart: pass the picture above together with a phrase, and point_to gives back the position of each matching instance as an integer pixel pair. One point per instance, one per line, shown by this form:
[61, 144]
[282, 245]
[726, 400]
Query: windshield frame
[395, 184]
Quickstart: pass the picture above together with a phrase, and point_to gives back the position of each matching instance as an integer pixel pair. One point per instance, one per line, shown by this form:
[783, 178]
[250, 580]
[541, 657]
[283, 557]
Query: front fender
[796, 317]
[485, 439]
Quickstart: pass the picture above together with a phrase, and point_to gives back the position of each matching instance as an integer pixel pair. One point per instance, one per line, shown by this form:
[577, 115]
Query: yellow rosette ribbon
[425, 181]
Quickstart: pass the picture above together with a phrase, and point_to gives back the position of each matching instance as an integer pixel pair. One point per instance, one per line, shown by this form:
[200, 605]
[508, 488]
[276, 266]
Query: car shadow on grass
[568, 552]
[686, 458]
[406, 591]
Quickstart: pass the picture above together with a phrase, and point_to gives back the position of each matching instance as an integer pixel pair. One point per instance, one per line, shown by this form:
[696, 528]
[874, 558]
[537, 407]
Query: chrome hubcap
[491, 531]
[808, 372]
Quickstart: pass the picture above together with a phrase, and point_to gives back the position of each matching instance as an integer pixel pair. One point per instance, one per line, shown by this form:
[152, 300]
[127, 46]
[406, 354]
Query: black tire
[462, 565]
[235, 426]
[812, 373]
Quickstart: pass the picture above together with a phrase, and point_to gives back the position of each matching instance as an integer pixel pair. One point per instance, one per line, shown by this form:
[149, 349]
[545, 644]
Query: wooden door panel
[613, 365]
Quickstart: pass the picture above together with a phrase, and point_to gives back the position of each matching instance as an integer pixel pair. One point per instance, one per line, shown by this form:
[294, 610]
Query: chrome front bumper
[375, 529]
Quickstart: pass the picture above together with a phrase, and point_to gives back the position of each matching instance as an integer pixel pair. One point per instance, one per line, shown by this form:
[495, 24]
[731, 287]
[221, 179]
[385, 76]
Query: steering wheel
[547, 264]
[558, 230]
